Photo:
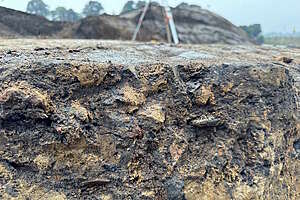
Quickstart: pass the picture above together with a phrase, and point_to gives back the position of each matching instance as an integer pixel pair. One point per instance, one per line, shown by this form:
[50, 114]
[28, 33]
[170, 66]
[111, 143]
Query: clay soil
[92, 119]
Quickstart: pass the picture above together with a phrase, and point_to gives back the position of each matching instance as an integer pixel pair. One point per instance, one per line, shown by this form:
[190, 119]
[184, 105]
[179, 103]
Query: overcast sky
[274, 15]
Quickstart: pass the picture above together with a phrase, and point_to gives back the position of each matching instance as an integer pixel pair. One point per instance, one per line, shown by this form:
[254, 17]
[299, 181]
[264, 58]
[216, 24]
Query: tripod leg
[140, 21]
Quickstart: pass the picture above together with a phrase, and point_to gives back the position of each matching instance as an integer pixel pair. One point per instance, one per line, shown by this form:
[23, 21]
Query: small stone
[106, 197]
[286, 60]
[176, 151]
[42, 162]
[4, 172]
[204, 95]
[175, 189]
[80, 112]
[155, 112]
[74, 51]
[91, 75]
[149, 194]
[226, 87]
[132, 96]
[206, 121]
[39, 49]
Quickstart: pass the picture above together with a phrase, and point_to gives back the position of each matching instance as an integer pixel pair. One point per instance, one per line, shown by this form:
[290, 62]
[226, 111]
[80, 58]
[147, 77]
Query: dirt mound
[100, 27]
[194, 25]
[5, 31]
[16, 24]
[113, 120]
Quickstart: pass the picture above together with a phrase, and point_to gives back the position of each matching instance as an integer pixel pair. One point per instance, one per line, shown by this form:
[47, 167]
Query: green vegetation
[129, 6]
[254, 31]
[92, 8]
[140, 4]
[38, 7]
[62, 14]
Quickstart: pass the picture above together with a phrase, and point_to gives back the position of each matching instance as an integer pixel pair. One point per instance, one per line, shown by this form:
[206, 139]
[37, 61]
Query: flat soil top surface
[126, 53]
[131, 53]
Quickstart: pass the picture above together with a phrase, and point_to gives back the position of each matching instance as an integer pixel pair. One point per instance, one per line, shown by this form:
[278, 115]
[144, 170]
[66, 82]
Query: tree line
[254, 31]
[92, 8]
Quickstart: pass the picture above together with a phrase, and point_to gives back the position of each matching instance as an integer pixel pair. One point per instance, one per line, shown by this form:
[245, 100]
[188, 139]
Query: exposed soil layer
[115, 120]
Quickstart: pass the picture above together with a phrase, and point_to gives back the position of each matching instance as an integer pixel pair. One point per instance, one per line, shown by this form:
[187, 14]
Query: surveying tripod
[170, 24]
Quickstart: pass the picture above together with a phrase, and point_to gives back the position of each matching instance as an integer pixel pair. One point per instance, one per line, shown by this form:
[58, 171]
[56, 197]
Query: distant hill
[194, 25]
[19, 24]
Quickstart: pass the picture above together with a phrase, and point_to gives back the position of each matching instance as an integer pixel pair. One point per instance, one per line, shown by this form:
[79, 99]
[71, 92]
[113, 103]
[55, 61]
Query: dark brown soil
[113, 120]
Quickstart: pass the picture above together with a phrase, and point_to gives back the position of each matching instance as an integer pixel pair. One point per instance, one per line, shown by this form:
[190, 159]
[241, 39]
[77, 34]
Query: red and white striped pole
[170, 18]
